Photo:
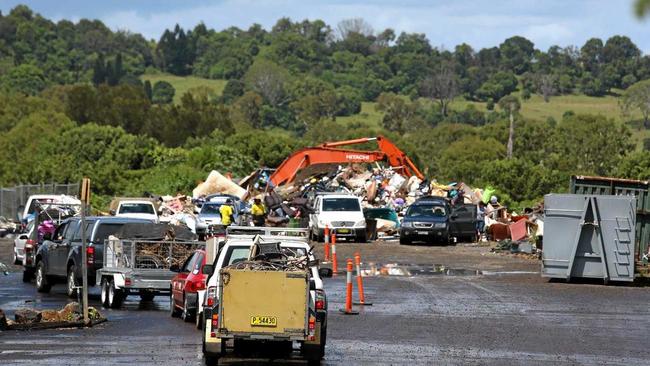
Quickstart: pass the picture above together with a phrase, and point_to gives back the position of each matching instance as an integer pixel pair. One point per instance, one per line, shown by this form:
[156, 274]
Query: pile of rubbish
[25, 318]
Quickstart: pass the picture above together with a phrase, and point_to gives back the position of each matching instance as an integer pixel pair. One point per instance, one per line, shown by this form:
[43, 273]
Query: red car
[185, 285]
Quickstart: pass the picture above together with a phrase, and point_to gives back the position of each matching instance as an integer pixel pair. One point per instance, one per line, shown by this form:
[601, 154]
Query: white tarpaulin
[217, 183]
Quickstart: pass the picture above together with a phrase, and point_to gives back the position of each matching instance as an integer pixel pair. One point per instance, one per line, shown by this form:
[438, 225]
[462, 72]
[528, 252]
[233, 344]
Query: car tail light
[320, 300]
[90, 255]
[215, 324]
[29, 244]
[312, 327]
[127, 282]
[212, 296]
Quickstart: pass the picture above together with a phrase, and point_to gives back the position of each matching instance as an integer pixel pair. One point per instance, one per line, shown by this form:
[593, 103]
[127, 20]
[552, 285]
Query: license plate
[423, 233]
[343, 231]
[264, 321]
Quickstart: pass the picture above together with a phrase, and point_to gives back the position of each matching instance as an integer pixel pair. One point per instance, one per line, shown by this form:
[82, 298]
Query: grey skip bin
[589, 236]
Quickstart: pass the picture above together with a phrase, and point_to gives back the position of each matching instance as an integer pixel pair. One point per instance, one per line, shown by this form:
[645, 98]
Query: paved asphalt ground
[506, 315]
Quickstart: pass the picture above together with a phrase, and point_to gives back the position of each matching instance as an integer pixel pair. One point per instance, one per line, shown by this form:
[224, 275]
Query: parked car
[209, 215]
[45, 200]
[426, 220]
[185, 286]
[134, 208]
[21, 241]
[340, 212]
[59, 259]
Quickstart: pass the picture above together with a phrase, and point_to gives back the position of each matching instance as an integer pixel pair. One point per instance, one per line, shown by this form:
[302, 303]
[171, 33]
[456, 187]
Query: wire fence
[13, 199]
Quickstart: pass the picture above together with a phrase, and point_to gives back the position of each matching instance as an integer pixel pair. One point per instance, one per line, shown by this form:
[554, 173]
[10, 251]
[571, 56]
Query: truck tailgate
[264, 302]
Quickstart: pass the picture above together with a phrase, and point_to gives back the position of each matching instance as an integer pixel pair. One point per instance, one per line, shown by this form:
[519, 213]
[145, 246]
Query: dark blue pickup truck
[59, 260]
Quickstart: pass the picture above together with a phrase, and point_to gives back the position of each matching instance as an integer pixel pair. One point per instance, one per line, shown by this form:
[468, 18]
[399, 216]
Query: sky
[480, 23]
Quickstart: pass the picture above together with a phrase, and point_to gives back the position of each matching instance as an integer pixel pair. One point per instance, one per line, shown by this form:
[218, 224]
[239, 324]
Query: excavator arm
[328, 153]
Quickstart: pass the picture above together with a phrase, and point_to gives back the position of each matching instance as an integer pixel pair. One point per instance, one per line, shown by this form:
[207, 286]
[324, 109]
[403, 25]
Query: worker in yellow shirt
[259, 212]
[226, 213]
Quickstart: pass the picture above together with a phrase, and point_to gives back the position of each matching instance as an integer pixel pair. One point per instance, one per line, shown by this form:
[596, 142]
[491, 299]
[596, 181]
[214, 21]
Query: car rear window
[341, 204]
[136, 208]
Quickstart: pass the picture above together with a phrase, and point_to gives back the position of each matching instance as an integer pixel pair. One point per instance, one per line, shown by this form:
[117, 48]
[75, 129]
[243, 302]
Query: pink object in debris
[518, 230]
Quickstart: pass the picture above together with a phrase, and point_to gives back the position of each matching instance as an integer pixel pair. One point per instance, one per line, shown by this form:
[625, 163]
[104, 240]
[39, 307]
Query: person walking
[259, 212]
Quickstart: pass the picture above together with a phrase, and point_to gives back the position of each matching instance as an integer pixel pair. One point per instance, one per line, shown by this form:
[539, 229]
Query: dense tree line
[72, 103]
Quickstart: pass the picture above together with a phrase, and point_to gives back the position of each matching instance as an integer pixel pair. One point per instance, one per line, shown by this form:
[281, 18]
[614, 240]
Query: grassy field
[184, 83]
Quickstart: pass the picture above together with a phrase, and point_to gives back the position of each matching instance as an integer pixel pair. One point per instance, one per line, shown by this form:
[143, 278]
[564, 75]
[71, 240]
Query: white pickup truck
[135, 209]
[236, 248]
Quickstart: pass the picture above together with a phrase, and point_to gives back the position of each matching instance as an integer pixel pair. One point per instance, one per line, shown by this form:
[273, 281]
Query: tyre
[28, 275]
[104, 295]
[199, 321]
[71, 290]
[147, 296]
[172, 308]
[16, 261]
[404, 241]
[42, 283]
[115, 296]
[186, 315]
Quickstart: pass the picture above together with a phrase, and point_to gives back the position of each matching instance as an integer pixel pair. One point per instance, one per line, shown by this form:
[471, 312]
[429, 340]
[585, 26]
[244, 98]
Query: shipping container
[621, 187]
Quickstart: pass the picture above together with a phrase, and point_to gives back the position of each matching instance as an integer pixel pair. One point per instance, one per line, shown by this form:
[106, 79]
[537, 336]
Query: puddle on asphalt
[410, 270]
[393, 269]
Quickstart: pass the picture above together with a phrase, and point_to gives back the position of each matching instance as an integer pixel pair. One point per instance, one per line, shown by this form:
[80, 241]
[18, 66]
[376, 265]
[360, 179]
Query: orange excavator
[329, 153]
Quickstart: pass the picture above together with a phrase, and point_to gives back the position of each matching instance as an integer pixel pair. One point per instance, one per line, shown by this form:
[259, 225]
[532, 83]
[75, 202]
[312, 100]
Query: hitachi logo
[357, 157]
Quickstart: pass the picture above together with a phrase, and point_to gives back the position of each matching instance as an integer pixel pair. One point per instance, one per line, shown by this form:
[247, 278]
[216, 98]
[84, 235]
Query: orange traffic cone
[362, 298]
[348, 292]
[335, 268]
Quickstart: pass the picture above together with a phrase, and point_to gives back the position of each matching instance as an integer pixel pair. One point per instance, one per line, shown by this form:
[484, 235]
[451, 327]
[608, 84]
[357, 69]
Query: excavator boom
[328, 153]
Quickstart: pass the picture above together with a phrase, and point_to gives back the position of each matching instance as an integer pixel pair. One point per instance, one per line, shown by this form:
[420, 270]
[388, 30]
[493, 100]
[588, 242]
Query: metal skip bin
[589, 236]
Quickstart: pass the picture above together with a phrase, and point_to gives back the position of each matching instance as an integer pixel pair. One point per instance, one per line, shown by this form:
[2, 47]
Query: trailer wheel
[115, 296]
[28, 275]
[42, 284]
[104, 296]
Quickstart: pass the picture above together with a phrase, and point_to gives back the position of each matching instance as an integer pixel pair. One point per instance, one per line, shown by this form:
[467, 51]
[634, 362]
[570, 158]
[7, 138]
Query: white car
[47, 199]
[342, 213]
[137, 210]
[21, 241]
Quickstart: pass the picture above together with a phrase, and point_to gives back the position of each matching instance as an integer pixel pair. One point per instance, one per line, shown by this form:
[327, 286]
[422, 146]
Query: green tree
[148, 90]
[463, 159]
[637, 97]
[163, 92]
[27, 79]
[268, 80]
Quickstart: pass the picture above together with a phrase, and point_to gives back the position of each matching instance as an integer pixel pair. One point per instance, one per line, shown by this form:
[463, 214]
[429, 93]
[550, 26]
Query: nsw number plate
[423, 233]
[264, 321]
[343, 231]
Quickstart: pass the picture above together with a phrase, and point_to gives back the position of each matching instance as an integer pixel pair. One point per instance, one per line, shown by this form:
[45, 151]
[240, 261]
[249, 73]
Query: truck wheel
[70, 282]
[186, 315]
[42, 284]
[104, 296]
[172, 308]
[115, 296]
[28, 275]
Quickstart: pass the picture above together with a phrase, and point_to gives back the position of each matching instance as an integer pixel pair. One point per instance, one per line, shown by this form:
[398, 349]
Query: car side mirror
[208, 269]
[325, 272]
[454, 216]
[112, 212]
[175, 268]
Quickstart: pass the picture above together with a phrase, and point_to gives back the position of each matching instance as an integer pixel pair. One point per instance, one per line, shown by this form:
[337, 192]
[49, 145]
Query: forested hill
[138, 114]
